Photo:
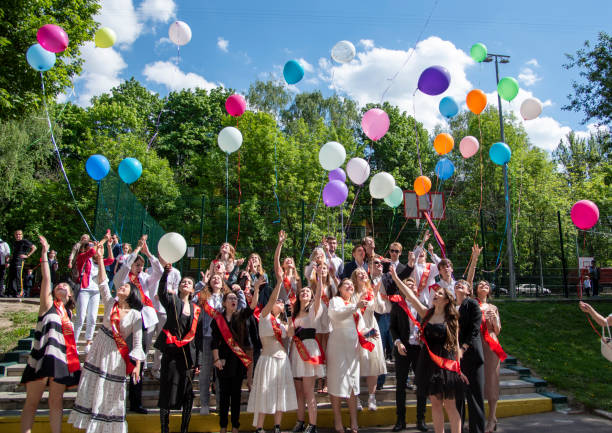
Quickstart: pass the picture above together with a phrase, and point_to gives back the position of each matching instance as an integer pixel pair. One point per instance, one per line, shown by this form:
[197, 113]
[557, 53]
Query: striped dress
[48, 355]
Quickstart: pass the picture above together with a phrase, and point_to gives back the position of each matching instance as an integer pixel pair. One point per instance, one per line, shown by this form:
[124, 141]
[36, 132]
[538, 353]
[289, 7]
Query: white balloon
[531, 108]
[179, 33]
[358, 170]
[172, 247]
[343, 52]
[332, 155]
[381, 185]
[229, 139]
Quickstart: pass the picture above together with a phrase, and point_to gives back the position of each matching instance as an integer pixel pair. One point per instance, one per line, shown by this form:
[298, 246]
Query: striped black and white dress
[48, 356]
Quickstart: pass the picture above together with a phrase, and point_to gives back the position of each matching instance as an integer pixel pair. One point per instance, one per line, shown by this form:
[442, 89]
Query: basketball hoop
[415, 206]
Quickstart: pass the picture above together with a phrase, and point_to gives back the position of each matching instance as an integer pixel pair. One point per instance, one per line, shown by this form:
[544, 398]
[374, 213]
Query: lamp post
[500, 58]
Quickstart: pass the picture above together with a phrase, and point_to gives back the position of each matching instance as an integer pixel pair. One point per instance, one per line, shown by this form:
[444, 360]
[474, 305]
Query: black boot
[135, 390]
[299, 427]
[421, 425]
[186, 417]
[164, 418]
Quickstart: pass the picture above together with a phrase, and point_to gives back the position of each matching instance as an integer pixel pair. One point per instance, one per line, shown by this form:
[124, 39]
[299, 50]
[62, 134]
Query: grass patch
[22, 322]
[556, 341]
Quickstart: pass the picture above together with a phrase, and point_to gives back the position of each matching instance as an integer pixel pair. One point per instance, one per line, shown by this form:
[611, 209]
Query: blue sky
[236, 43]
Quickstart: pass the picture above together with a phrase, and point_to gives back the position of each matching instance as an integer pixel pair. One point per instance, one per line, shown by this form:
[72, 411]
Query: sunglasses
[377, 263]
[395, 251]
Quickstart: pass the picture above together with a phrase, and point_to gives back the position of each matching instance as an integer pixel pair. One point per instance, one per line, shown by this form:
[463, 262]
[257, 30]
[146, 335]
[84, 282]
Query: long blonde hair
[356, 281]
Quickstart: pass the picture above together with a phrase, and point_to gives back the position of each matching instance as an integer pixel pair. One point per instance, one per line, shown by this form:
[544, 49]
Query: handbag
[606, 343]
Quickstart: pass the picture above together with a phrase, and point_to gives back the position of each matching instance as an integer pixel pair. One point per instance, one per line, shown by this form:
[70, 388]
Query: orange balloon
[476, 101]
[422, 185]
[444, 143]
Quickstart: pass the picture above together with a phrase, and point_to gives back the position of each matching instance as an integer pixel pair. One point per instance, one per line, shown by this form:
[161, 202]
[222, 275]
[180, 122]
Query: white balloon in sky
[343, 52]
[179, 33]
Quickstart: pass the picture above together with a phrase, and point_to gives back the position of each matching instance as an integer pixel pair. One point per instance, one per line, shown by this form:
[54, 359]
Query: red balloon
[235, 105]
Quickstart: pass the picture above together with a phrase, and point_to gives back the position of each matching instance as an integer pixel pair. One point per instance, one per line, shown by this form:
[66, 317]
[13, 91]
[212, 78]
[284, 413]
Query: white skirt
[299, 368]
[273, 388]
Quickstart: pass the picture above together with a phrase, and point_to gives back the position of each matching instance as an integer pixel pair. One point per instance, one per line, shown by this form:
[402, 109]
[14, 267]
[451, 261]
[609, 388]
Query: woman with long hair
[273, 391]
[100, 402]
[372, 363]
[324, 284]
[438, 372]
[53, 361]
[292, 283]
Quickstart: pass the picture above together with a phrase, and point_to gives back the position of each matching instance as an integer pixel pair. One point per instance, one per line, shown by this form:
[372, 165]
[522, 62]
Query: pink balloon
[468, 146]
[235, 105]
[585, 214]
[375, 123]
[52, 38]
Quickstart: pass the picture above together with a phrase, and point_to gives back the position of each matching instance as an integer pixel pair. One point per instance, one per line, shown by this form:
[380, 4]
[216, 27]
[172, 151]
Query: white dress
[273, 388]
[323, 324]
[300, 368]
[373, 363]
[343, 349]
[100, 402]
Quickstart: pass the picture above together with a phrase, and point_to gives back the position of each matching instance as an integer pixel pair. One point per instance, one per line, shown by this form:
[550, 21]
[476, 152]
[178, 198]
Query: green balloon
[395, 198]
[478, 52]
[508, 88]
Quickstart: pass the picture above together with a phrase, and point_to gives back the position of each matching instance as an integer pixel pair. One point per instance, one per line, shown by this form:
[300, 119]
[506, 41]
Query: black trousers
[403, 365]
[15, 279]
[595, 287]
[474, 394]
[229, 393]
[135, 389]
[2, 274]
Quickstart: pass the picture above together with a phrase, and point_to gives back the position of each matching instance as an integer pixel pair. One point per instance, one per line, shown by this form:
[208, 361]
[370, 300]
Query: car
[531, 289]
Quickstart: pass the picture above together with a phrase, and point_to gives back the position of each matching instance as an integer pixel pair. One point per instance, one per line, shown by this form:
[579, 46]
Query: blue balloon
[130, 170]
[448, 107]
[293, 72]
[39, 58]
[500, 153]
[444, 169]
[97, 167]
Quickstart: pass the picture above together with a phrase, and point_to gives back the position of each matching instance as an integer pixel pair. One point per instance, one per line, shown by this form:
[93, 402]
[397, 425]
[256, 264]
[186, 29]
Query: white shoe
[87, 348]
[372, 402]
[359, 406]
[204, 410]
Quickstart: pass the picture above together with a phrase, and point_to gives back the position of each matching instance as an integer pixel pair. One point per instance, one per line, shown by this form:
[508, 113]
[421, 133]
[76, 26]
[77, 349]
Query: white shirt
[5, 251]
[336, 261]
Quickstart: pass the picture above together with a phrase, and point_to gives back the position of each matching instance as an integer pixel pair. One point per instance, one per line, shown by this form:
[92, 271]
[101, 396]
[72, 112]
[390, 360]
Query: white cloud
[173, 78]
[545, 132]
[528, 77]
[307, 66]
[533, 62]
[101, 71]
[158, 10]
[222, 44]
[367, 44]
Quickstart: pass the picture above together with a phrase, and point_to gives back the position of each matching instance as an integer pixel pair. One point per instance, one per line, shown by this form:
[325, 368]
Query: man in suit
[357, 262]
[407, 348]
[472, 359]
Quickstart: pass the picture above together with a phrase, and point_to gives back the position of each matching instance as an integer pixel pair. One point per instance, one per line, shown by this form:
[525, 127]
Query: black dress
[430, 378]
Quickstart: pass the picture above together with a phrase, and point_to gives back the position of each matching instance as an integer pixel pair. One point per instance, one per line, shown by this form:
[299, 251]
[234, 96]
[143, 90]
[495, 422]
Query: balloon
[332, 155]
[476, 101]
[443, 143]
[468, 146]
[179, 33]
[105, 37]
[508, 88]
[343, 52]
[395, 198]
[172, 247]
[531, 108]
[229, 139]
[444, 169]
[478, 52]
[375, 123]
[52, 38]
[293, 72]
[358, 170]
[235, 105]
[97, 167]
[39, 58]
[500, 153]
[335, 193]
[585, 214]
[422, 185]
[381, 185]
[434, 80]
[337, 174]
[130, 170]
[448, 107]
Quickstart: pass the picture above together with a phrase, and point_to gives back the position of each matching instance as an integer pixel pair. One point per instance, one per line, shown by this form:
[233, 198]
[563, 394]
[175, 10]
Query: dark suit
[400, 328]
[472, 365]
[348, 269]
[402, 271]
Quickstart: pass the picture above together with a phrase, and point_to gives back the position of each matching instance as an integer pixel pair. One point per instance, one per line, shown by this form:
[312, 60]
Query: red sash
[491, 340]
[303, 352]
[363, 342]
[368, 297]
[145, 299]
[278, 333]
[227, 335]
[171, 339]
[424, 278]
[325, 299]
[122, 346]
[72, 356]
[257, 312]
[289, 290]
[447, 364]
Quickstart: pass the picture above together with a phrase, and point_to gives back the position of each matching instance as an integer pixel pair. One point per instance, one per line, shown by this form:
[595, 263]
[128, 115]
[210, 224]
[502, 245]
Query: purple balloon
[335, 193]
[434, 80]
[337, 174]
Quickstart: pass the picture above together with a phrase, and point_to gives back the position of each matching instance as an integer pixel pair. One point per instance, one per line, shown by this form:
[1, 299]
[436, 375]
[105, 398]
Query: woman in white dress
[372, 362]
[273, 391]
[343, 350]
[291, 280]
[307, 357]
[100, 402]
[325, 284]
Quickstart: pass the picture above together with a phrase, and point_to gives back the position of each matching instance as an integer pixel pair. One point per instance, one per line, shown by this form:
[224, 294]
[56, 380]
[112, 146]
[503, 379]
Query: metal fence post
[565, 287]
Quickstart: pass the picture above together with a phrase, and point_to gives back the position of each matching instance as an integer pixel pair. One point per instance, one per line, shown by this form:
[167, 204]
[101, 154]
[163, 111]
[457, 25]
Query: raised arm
[473, 262]
[260, 282]
[282, 236]
[102, 279]
[410, 296]
[319, 291]
[601, 320]
[273, 297]
[45, 286]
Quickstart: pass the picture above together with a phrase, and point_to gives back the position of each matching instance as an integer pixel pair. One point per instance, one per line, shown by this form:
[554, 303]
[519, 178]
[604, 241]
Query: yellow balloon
[105, 37]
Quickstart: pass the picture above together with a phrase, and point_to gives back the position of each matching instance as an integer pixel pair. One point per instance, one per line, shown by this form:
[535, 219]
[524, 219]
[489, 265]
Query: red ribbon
[227, 335]
[136, 281]
[257, 312]
[368, 345]
[289, 290]
[72, 356]
[171, 339]
[122, 346]
[278, 333]
[303, 352]
[490, 339]
[424, 278]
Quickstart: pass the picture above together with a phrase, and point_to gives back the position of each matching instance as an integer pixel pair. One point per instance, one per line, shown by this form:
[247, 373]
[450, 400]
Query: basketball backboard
[415, 206]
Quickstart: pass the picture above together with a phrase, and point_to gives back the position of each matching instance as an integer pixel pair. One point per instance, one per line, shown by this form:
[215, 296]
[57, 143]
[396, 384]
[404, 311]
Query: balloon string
[390, 233]
[416, 132]
[59, 157]
[481, 176]
[314, 214]
[372, 216]
[239, 197]
[352, 210]
[276, 185]
[226, 195]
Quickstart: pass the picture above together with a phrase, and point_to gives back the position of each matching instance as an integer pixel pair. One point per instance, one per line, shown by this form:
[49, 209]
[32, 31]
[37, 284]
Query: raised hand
[430, 248]
[476, 250]
[282, 237]
[44, 244]
[426, 236]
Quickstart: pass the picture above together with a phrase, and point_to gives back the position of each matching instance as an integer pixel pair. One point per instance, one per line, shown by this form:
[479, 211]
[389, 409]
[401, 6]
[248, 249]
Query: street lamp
[500, 58]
